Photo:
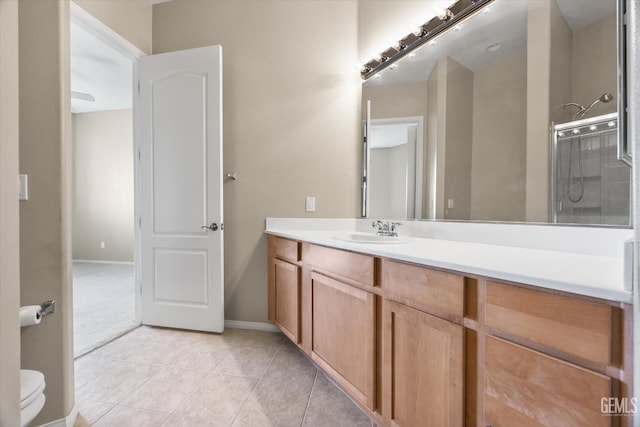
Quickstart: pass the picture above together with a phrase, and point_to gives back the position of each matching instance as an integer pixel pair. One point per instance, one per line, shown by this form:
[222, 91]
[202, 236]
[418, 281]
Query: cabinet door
[343, 336]
[526, 388]
[286, 283]
[422, 369]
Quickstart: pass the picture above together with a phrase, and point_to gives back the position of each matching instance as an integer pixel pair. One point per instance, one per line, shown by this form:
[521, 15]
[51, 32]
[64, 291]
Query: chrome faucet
[385, 228]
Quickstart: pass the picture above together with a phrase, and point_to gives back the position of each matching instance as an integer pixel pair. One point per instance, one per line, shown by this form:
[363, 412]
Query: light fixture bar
[428, 31]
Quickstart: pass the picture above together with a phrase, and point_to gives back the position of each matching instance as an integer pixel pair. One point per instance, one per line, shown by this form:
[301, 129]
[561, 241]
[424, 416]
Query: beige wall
[594, 65]
[131, 19]
[9, 218]
[291, 119]
[541, 29]
[45, 255]
[390, 101]
[499, 140]
[103, 186]
[560, 71]
[458, 116]
[383, 21]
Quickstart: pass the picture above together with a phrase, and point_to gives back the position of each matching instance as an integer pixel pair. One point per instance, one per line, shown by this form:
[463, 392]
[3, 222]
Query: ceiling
[99, 70]
[503, 23]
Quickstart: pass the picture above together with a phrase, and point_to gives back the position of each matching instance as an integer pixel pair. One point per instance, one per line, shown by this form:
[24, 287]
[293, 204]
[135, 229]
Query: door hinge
[139, 155]
[140, 222]
[138, 86]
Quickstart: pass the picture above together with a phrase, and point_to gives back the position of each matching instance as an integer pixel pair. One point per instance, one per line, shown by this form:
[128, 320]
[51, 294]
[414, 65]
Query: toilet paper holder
[47, 307]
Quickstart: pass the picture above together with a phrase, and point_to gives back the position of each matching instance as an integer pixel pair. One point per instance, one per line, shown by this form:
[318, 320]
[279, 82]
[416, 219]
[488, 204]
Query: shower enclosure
[589, 184]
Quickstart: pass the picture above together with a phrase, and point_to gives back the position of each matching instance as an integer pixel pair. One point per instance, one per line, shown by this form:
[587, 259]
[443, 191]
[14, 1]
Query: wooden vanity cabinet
[285, 287]
[343, 334]
[524, 387]
[422, 369]
[423, 354]
[549, 359]
[418, 346]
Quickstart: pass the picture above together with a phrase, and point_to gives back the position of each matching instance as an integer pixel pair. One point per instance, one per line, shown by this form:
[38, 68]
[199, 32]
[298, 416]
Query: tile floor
[103, 303]
[164, 377]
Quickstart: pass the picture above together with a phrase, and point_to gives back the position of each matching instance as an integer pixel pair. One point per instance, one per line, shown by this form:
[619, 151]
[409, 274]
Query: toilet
[31, 395]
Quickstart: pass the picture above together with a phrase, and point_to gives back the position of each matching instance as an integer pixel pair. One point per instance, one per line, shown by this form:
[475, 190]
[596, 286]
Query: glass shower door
[589, 184]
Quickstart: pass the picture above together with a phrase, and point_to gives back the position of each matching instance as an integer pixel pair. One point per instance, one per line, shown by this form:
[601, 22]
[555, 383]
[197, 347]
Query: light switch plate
[310, 204]
[24, 187]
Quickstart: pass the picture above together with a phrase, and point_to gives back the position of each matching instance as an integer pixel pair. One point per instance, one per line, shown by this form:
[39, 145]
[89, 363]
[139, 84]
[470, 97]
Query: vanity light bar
[429, 30]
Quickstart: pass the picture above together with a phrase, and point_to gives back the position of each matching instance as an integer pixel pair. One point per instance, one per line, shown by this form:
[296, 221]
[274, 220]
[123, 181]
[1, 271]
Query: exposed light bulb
[415, 28]
[576, 131]
[443, 14]
[593, 127]
[560, 134]
[611, 124]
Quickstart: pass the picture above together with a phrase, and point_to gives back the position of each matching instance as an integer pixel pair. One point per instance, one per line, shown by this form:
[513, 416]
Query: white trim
[419, 154]
[137, 193]
[96, 27]
[256, 326]
[96, 261]
[67, 421]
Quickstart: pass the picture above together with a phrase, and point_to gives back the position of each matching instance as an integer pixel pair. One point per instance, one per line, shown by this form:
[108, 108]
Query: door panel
[179, 150]
[180, 164]
[189, 269]
[422, 368]
[287, 298]
[343, 335]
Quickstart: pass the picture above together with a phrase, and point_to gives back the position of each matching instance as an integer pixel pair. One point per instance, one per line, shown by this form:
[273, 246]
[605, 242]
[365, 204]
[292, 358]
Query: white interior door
[180, 181]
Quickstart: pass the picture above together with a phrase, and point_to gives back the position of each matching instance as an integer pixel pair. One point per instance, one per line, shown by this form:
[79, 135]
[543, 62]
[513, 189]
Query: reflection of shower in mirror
[582, 110]
[589, 184]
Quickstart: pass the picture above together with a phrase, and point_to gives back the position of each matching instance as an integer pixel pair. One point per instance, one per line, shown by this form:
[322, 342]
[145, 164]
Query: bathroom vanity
[418, 335]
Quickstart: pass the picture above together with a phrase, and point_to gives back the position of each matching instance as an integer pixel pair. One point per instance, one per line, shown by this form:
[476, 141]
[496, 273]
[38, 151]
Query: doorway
[395, 168]
[102, 176]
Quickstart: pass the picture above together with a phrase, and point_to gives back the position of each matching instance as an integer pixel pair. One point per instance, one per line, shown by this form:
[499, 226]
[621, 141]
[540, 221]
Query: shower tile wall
[606, 181]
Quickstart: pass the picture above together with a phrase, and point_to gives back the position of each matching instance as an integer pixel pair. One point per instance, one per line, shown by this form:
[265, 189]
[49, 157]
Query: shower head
[606, 97]
[582, 110]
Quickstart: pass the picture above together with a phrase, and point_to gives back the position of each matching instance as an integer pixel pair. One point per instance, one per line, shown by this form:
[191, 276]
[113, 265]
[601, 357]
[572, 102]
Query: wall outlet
[102, 245]
[310, 204]
[23, 187]
[449, 203]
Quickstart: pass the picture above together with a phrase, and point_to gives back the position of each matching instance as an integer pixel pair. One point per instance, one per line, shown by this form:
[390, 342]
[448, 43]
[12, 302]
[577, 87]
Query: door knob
[212, 227]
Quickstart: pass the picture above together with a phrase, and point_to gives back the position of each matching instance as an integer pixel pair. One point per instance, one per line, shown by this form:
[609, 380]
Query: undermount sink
[356, 237]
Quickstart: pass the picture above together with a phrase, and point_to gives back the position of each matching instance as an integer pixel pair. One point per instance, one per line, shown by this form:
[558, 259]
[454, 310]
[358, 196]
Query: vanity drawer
[284, 248]
[573, 326]
[342, 264]
[424, 288]
[523, 387]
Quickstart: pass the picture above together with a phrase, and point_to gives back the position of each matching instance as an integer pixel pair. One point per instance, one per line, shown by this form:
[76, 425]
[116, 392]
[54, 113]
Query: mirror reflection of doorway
[395, 159]
[103, 191]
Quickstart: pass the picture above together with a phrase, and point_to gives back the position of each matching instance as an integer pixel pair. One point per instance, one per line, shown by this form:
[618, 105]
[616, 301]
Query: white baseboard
[67, 421]
[257, 326]
[96, 261]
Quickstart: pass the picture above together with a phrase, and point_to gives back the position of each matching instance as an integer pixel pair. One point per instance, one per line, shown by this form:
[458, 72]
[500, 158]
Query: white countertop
[585, 274]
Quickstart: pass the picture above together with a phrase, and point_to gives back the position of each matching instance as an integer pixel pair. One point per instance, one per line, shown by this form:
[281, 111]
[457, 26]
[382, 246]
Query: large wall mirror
[509, 115]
